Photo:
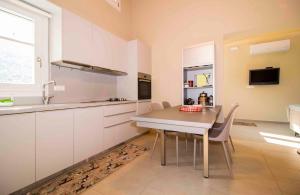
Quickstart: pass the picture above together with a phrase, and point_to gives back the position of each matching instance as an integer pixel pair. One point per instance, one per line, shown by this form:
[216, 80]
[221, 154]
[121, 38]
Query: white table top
[173, 116]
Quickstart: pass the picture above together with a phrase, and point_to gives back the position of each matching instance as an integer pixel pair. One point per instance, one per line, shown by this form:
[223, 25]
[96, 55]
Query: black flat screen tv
[268, 76]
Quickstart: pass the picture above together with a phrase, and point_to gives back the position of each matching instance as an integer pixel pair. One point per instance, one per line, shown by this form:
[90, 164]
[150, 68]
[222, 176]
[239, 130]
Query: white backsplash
[82, 86]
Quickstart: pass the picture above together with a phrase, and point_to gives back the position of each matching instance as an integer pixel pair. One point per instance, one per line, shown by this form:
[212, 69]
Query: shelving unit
[203, 87]
[197, 60]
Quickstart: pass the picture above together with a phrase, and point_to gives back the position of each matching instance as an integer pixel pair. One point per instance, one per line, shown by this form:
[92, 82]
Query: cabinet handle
[121, 123]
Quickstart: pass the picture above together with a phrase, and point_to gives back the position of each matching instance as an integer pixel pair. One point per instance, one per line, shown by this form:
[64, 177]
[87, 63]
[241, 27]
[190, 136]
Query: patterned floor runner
[90, 173]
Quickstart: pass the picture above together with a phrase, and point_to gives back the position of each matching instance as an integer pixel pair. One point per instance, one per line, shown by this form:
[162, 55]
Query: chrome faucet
[46, 99]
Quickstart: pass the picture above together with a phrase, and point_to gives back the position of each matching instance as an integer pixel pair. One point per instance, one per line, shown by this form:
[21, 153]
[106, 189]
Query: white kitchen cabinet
[117, 119]
[119, 53]
[77, 42]
[17, 151]
[118, 133]
[102, 51]
[144, 58]
[88, 132]
[118, 109]
[139, 60]
[121, 127]
[199, 60]
[54, 142]
[125, 131]
[143, 107]
[199, 55]
[109, 50]
[76, 39]
[117, 124]
[109, 137]
[139, 56]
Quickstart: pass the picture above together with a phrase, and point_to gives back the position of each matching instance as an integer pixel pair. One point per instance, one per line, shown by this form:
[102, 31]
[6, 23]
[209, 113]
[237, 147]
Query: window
[23, 51]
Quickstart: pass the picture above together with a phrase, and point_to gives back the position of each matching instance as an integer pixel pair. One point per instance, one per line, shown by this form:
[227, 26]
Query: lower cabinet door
[117, 134]
[126, 131]
[54, 142]
[143, 107]
[109, 137]
[17, 152]
[88, 132]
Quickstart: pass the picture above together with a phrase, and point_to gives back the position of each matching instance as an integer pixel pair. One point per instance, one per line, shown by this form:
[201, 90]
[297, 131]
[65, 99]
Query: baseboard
[249, 120]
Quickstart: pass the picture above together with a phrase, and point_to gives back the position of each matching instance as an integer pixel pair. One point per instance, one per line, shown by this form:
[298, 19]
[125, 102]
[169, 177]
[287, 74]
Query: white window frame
[41, 52]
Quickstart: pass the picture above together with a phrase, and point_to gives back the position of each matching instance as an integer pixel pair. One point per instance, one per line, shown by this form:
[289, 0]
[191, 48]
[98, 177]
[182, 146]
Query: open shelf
[199, 60]
[203, 87]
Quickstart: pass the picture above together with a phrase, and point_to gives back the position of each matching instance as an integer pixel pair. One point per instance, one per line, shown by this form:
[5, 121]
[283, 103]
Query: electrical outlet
[59, 88]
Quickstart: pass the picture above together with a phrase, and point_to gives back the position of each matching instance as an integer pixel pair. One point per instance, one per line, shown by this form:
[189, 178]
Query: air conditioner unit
[269, 47]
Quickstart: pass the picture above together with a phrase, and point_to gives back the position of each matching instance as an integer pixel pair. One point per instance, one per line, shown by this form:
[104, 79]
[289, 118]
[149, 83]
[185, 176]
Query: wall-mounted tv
[267, 76]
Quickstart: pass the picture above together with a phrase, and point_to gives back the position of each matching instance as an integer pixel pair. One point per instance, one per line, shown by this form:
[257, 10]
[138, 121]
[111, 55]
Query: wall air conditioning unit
[270, 47]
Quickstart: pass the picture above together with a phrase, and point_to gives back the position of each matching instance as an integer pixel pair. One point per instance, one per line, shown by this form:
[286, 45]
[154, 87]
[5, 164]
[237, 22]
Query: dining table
[172, 119]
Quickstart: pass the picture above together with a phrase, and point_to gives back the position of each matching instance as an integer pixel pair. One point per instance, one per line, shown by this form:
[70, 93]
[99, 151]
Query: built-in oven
[144, 86]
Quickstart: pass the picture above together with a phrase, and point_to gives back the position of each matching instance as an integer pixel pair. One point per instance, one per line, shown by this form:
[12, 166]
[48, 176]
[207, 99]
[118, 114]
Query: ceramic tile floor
[259, 167]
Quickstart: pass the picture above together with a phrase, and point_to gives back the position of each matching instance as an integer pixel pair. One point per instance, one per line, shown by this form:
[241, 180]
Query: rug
[249, 124]
[88, 174]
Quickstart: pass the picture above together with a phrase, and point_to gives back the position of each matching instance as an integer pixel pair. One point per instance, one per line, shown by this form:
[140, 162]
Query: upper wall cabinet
[139, 60]
[139, 56]
[199, 55]
[144, 58]
[102, 48]
[119, 53]
[78, 40]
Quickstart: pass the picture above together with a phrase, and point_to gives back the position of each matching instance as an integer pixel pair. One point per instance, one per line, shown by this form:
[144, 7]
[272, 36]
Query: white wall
[82, 86]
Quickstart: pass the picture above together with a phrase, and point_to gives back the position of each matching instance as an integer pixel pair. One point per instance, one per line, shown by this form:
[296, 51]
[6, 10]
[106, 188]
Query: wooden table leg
[163, 148]
[205, 154]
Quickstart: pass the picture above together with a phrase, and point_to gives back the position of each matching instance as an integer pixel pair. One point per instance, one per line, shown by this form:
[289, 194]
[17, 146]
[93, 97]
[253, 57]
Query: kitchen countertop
[49, 107]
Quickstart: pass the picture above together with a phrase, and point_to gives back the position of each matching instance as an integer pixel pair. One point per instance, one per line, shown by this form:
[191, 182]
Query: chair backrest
[166, 104]
[224, 135]
[233, 107]
[156, 106]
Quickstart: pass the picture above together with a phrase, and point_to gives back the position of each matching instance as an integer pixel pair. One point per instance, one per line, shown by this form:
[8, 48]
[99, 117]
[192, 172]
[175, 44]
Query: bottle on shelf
[202, 99]
[210, 100]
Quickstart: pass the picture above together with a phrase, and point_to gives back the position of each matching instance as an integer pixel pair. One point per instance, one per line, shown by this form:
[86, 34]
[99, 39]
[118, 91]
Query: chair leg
[228, 151]
[155, 141]
[186, 142]
[177, 160]
[227, 158]
[231, 143]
